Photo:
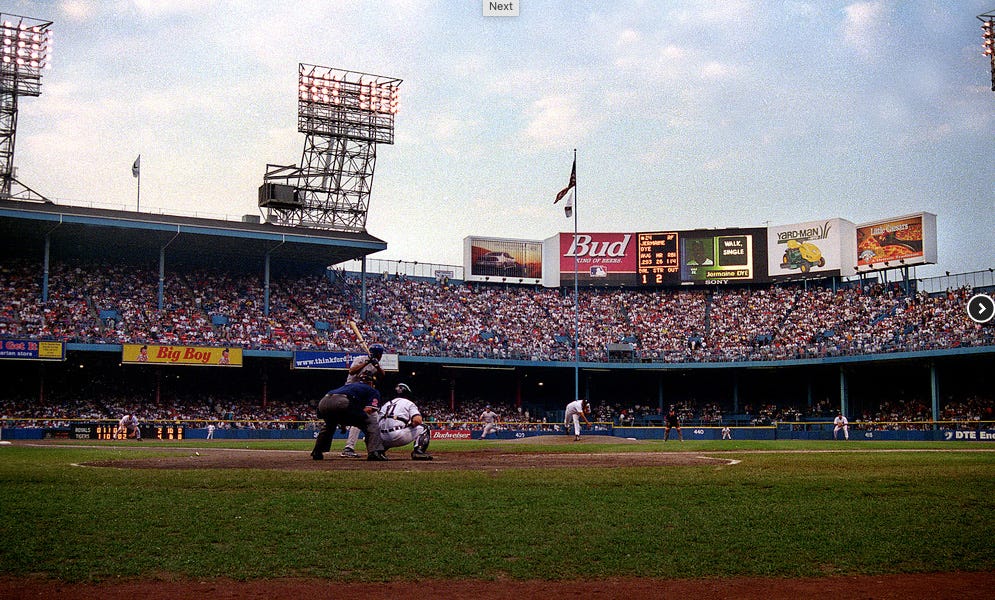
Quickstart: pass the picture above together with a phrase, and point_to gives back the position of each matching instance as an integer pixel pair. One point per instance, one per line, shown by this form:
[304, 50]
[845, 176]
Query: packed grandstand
[115, 304]
[112, 303]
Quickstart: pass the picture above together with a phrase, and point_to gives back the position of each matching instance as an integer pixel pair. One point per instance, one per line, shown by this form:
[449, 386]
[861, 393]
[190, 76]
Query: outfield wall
[976, 432]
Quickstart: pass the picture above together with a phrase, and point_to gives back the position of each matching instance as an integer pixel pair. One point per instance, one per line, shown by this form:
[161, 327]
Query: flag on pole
[136, 168]
[570, 186]
[568, 207]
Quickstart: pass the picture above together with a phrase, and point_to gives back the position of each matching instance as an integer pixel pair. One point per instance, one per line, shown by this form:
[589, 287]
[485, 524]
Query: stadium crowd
[235, 413]
[107, 303]
[116, 303]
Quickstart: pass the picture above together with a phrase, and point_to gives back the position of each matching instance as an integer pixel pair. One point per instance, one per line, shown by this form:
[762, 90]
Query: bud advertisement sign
[180, 355]
[601, 258]
[817, 247]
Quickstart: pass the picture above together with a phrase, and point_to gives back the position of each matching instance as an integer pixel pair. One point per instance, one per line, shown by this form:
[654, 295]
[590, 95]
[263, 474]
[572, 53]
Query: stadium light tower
[344, 115]
[988, 37]
[25, 47]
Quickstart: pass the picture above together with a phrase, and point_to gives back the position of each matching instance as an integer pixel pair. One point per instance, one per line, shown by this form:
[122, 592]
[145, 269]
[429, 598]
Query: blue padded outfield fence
[912, 431]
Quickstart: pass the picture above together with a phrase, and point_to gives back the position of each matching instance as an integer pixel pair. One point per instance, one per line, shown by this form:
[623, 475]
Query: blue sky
[684, 114]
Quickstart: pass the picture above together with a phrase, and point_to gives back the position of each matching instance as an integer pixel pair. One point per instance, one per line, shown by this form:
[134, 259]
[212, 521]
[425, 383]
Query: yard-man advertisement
[308, 359]
[719, 256]
[823, 247]
[137, 354]
[32, 350]
[898, 241]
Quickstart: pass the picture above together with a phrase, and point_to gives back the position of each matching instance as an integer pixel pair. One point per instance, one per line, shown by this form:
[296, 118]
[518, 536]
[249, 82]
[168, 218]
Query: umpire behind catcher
[355, 404]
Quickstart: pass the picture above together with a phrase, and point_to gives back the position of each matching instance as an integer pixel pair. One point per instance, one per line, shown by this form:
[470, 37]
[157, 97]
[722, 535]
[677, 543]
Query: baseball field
[604, 517]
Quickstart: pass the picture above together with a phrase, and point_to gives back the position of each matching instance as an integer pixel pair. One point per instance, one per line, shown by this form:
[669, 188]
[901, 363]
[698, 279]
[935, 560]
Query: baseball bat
[359, 336]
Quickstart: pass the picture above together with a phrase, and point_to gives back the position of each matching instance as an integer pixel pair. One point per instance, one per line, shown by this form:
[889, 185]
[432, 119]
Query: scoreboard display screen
[701, 257]
[658, 258]
[717, 258]
[106, 431]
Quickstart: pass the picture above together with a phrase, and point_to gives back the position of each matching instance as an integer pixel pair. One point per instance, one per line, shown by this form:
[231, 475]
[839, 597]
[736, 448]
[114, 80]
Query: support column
[266, 286]
[934, 390]
[44, 272]
[162, 276]
[844, 393]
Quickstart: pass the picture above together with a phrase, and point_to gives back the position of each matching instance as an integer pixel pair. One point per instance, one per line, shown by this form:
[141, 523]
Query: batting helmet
[376, 351]
[402, 389]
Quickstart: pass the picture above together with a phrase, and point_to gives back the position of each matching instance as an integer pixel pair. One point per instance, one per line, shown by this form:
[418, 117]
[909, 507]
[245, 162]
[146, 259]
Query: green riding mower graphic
[802, 255]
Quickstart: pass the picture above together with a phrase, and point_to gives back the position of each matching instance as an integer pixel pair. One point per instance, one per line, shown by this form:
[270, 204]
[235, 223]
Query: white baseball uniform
[395, 423]
[490, 419]
[574, 410]
[129, 424]
[840, 422]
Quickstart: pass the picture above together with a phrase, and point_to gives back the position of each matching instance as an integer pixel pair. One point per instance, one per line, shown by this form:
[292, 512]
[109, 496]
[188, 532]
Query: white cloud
[629, 37]
[78, 10]
[717, 70]
[160, 8]
[864, 25]
[555, 121]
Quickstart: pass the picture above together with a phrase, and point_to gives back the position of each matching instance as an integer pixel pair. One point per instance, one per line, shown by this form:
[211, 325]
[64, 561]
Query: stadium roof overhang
[80, 231]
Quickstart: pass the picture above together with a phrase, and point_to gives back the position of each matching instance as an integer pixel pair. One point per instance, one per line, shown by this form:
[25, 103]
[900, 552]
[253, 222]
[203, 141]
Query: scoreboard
[701, 257]
[105, 431]
[658, 259]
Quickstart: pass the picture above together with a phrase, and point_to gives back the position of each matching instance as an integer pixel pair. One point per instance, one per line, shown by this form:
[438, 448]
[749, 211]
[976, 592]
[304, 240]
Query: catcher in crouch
[401, 424]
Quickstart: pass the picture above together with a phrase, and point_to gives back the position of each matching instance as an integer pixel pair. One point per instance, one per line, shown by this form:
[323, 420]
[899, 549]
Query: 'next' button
[500, 8]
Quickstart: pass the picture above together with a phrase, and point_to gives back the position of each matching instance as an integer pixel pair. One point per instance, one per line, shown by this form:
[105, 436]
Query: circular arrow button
[981, 308]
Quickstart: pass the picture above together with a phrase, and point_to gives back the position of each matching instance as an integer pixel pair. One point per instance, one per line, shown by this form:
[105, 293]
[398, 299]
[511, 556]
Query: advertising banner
[137, 354]
[816, 247]
[602, 258]
[907, 240]
[312, 359]
[503, 260]
[32, 350]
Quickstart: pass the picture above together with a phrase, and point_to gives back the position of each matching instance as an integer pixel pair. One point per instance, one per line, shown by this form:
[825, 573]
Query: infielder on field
[362, 365]
[401, 424]
[576, 410]
[127, 428]
[840, 422]
[490, 420]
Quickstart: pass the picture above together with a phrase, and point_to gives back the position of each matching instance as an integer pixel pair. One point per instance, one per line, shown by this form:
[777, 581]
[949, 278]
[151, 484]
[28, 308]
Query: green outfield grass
[774, 514]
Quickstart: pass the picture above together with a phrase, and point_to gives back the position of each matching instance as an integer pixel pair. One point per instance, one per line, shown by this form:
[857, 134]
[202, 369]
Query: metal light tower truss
[25, 46]
[344, 115]
[988, 36]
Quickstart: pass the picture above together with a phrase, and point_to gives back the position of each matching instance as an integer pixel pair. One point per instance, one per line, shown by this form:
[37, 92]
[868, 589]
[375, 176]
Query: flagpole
[136, 172]
[576, 300]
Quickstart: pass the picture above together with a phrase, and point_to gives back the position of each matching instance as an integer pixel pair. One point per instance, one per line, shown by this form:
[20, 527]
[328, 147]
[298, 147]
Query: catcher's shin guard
[423, 439]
